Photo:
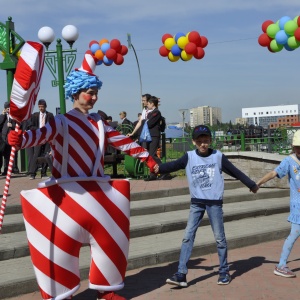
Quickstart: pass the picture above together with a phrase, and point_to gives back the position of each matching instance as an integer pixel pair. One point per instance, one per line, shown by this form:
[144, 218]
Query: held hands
[254, 189]
[15, 138]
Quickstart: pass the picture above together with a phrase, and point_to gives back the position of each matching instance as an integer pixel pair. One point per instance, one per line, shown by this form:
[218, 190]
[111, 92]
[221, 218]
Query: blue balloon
[99, 62]
[105, 47]
[178, 35]
[288, 48]
[281, 37]
[282, 21]
[95, 47]
[176, 50]
[107, 61]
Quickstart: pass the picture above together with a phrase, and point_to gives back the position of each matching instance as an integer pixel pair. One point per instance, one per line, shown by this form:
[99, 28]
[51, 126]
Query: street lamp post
[183, 111]
[137, 61]
[60, 62]
[10, 45]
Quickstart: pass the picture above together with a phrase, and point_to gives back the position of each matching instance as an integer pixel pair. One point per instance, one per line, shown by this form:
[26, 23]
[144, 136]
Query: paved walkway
[251, 267]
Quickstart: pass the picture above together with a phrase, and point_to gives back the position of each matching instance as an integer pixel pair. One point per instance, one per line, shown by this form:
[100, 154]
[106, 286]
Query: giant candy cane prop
[25, 89]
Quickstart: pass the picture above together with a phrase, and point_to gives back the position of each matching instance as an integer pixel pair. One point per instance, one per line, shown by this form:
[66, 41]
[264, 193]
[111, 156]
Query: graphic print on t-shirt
[203, 176]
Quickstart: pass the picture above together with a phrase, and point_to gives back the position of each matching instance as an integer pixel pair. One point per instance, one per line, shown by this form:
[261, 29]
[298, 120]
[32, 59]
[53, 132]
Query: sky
[235, 73]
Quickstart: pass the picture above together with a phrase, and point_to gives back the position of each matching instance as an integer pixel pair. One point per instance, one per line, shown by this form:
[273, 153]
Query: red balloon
[93, 42]
[264, 40]
[297, 33]
[265, 25]
[163, 51]
[190, 48]
[199, 53]
[165, 36]
[298, 21]
[119, 59]
[124, 50]
[115, 44]
[204, 41]
[111, 54]
[194, 37]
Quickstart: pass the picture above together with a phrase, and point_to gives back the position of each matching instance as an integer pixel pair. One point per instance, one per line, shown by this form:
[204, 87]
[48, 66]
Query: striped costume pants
[60, 218]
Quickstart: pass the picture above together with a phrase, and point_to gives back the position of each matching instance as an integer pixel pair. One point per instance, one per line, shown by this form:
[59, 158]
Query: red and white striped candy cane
[24, 92]
[7, 180]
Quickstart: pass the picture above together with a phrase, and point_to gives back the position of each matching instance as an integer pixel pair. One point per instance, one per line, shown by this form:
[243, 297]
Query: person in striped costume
[79, 204]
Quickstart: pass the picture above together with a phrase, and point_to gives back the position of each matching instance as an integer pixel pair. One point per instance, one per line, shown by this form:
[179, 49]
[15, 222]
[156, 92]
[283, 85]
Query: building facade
[205, 115]
[272, 116]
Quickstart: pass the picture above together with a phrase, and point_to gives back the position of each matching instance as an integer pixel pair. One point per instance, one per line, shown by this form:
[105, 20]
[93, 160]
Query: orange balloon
[103, 41]
[99, 54]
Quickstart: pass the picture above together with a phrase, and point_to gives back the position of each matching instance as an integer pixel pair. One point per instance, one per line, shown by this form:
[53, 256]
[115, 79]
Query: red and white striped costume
[59, 217]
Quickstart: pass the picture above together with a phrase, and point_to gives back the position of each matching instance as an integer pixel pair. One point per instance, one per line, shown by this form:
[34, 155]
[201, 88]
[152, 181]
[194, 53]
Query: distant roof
[174, 132]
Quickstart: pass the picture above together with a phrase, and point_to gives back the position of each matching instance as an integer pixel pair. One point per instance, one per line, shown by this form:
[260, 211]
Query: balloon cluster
[108, 52]
[184, 47]
[285, 33]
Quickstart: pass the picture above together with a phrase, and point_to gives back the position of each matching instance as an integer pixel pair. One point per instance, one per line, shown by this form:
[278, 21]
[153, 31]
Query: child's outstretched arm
[267, 177]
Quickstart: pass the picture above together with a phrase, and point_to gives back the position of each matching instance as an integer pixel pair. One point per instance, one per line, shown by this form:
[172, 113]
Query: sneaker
[109, 296]
[32, 177]
[284, 272]
[178, 279]
[224, 278]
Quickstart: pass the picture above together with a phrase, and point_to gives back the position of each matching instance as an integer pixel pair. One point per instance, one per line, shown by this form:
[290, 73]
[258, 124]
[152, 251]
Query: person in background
[39, 120]
[290, 166]
[138, 132]
[8, 124]
[153, 120]
[138, 127]
[126, 125]
[204, 168]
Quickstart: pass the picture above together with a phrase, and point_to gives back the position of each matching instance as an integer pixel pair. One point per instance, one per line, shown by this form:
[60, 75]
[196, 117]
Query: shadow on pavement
[152, 278]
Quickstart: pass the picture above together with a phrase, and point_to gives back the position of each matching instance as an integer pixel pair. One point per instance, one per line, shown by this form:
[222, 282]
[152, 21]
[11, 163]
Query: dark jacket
[153, 118]
[34, 122]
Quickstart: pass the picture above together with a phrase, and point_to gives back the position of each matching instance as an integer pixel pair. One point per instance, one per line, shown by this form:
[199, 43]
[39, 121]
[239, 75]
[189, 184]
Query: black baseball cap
[6, 104]
[200, 130]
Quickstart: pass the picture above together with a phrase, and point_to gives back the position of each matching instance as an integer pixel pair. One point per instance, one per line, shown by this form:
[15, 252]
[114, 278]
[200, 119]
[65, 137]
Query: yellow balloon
[185, 56]
[172, 57]
[182, 41]
[169, 43]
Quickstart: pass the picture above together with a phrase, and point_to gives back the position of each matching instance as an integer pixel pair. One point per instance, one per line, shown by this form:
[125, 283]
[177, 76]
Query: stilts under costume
[79, 204]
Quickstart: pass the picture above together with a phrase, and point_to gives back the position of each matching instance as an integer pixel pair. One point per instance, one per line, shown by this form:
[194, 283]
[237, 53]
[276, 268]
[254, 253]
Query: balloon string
[7, 181]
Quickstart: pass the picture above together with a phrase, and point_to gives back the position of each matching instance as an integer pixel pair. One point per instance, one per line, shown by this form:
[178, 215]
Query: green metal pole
[243, 146]
[61, 80]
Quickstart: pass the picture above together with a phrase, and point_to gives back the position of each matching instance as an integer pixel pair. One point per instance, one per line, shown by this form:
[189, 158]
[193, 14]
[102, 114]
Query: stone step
[17, 276]
[14, 245]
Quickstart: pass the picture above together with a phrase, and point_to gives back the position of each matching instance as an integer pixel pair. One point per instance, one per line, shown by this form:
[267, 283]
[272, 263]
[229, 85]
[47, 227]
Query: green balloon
[272, 30]
[292, 42]
[275, 47]
[296, 19]
[290, 27]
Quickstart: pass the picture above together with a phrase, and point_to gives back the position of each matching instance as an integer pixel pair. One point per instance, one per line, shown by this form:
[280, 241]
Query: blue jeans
[215, 215]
